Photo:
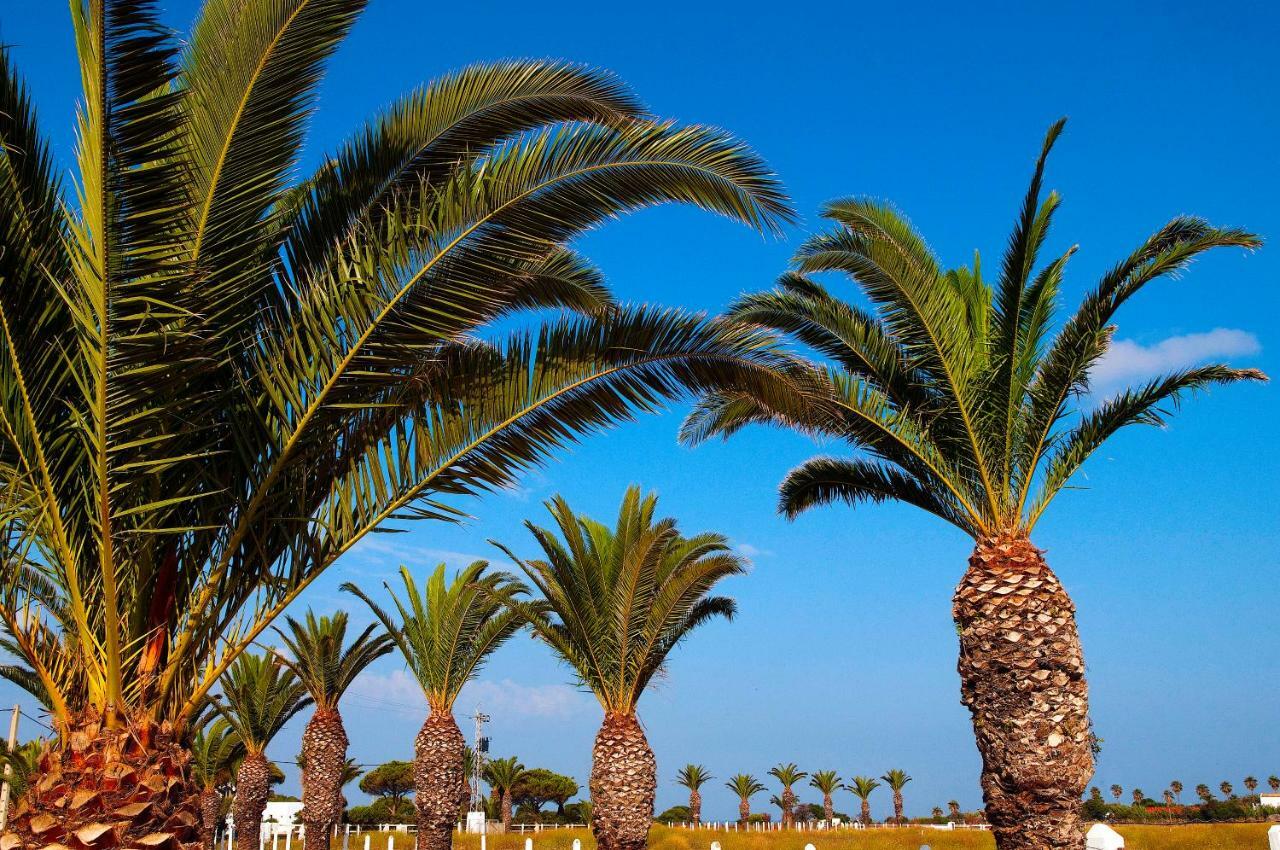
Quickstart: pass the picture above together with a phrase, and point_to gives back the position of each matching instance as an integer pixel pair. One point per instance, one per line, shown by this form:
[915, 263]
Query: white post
[391, 841]
[528, 844]
[288, 838]
[577, 844]
[366, 841]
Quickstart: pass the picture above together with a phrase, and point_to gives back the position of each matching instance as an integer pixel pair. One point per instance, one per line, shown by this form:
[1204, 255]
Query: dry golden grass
[1199, 836]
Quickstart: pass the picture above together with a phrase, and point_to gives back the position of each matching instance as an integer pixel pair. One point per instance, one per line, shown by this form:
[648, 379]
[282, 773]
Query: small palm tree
[215, 752]
[744, 786]
[827, 782]
[1273, 782]
[1168, 797]
[327, 668]
[1203, 792]
[693, 777]
[937, 813]
[259, 696]
[960, 399]
[502, 775]
[953, 806]
[1176, 787]
[862, 787]
[896, 780]
[1250, 784]
[1225, 788]
[787, 774]
[614, 602]
[1138, 796]
[445, 631]
[1117, 792]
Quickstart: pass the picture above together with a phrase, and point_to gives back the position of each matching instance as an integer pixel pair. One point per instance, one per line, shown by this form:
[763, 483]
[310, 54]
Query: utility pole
[479, 749]
[8, 768]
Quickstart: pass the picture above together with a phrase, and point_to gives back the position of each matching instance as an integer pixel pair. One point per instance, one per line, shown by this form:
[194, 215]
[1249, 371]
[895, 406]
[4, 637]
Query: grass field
[1230, 836]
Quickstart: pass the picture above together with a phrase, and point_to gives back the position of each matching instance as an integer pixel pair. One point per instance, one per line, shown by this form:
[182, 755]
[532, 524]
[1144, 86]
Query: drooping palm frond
[447, 630]
[259, 696]
[896, 779]
[826, 781]
[693, 776]
[744, 785]
[503, 774]
[788, 774]
[862, 786]
[614, 602]
[968, 399]
[323, 664]
[215, 751]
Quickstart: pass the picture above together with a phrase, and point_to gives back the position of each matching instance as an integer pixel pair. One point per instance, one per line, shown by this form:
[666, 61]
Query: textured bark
[439, 780]
[324, 752]
[897, 807]
[103, 788]
[828, 809]
[866, 811]
[624, 779]
[788, 801]
[253, 784]
[506, 809]
[1022, 678]
[210, 808]
[695, 806]
[744, 810]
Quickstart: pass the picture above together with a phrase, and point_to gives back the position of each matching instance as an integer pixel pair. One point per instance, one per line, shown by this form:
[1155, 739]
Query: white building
[280, 819]
[1270, 798]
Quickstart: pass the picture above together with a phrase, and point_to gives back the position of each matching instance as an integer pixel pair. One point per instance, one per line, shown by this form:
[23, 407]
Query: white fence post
[366, 841]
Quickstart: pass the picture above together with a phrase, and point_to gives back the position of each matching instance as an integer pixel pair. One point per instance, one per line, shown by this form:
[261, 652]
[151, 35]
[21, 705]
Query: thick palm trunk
[210, 808]
[324, 752]
[828, 809]
[866, 811]
[744, 810]
[253, 784]
[439, 780]
[103, 788]
[506, 809]
[624, 779]
[1022, 677]
[897, 807]
[788, 807]
[695, 806]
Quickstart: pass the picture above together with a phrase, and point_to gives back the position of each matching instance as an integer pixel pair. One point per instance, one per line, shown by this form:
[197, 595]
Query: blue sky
[843, 655]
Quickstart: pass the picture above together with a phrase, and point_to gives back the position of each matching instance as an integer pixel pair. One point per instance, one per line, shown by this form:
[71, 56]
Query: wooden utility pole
[8, 768]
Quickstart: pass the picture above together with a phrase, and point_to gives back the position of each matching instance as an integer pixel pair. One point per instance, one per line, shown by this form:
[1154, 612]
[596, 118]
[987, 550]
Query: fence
[812, 826]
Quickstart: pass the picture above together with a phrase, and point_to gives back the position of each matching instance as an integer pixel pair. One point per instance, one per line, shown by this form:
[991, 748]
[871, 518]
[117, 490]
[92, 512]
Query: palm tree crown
[215, 750]
[862, 786]
[693, 776]
[826, 781]
[787, 774]
[321, 661]
[956, 388]
[503, 774]
[744, 785]
[259, 696]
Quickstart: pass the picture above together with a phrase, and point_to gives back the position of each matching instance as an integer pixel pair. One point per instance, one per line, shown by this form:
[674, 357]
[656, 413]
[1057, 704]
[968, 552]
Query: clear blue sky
[844, 653]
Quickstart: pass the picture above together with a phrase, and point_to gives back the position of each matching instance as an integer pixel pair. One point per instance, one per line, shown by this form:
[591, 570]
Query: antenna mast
[480, 750]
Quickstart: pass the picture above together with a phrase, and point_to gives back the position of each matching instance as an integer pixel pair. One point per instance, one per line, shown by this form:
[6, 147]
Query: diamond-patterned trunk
[744, 810]
[99, 788]
[253, 782]
[324, 752]
[439, 780]
[788, 801]
[624, 780]
[210, 808]
[695, 806]
[1022, 677]
[828, 808]
[506, 809]
[897, 807]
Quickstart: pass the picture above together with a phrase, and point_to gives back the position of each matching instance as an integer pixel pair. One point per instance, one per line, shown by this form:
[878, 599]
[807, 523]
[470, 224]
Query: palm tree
[788, 775]
[502, 775]
[1117, 792]
[326, 668]
[828, 782]
[693, 777]
[896, 780]
[216, 379]
[215, 752]
[1203, 792]
[953, 807]
[1225, 788]
[745, 786]
[614, 604]
[1273, 782]
[1168, 797]
[937, 813]
[966, 406]
[259, 696]
[862, 787]
[1250, 784]
[1176, 787]
[445, 631]
[1138, 796]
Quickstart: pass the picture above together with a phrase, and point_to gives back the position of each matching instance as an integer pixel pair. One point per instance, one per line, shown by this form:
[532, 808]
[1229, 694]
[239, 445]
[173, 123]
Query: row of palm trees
[788, 775]
[218, 374]
[1174, 792]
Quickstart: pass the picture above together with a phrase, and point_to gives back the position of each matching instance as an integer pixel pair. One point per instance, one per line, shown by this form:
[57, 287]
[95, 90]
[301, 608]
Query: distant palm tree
[828, 782]
[446, 631]
[745, 786]
[1226, 789]
[614, 602]
[215, 752]
[259, 696]
[1250, 784]
[1203, 792]
[1176, 787]
[1117, 792]
[693, 777]
[1168, 797]
[862, 787]
[1273, 782]
[502, 775]
[896, 780]
[326, 667]
[1095, 793]
[960, 399]
[953, 806]
[1138, 796]
[937, 812]
[788, 775]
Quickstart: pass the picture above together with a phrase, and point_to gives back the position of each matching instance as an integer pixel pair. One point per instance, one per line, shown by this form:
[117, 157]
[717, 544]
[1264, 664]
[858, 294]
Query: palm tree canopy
[321, 662]
[693, 776]
[216, 377]
[215, 750]
[962, 396]
[788, 774]
[862, 786]
[503, 774]
[826, 781]
[896, 779]
[744, 785]
[259, 696]
[614, 602]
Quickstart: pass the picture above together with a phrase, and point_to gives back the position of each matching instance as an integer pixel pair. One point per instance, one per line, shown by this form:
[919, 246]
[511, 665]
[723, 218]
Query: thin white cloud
[385, 551]
[397, 691]
[1127, 361]
[751, 551]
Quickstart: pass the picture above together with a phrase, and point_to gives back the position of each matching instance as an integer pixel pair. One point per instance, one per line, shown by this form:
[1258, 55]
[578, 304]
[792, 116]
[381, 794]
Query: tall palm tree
[862, 787]
[446, 631]
[215, 752]
[787, 775]
[1203, 792]
[1225, 788]
[259, 696]
[1273, 782]
[1117, 792]
[745, 786]
[966, 404]
[502, 775]
[693, 777]
[896, 780]
[828, 782]
[1168, 797]
[1250, 784]
[216, 379]
[1176, 787]
[1138, 796]
[614, 602]
[953, 808]
[326, 667]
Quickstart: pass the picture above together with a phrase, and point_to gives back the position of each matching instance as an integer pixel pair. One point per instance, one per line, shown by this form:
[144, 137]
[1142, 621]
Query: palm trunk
[866, 811]
[135, 778]
[439, 780]
[788, 807]
[828, 810]
[324, 752]
[897, 807]
[1022, 677]
[744, 810]
[210, 808]
[695, 806]
[624, 780]
[253, 784]
[506, 809]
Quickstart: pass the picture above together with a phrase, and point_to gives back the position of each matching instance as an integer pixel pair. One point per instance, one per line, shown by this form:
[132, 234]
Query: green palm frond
[826, 781]
[614, 602]
[744, 785]
[693, 776]
[896, 779]
[215, 751]
[503, 774]
[259, 696]
[788, 774]
[320, 660]
[862, 786]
